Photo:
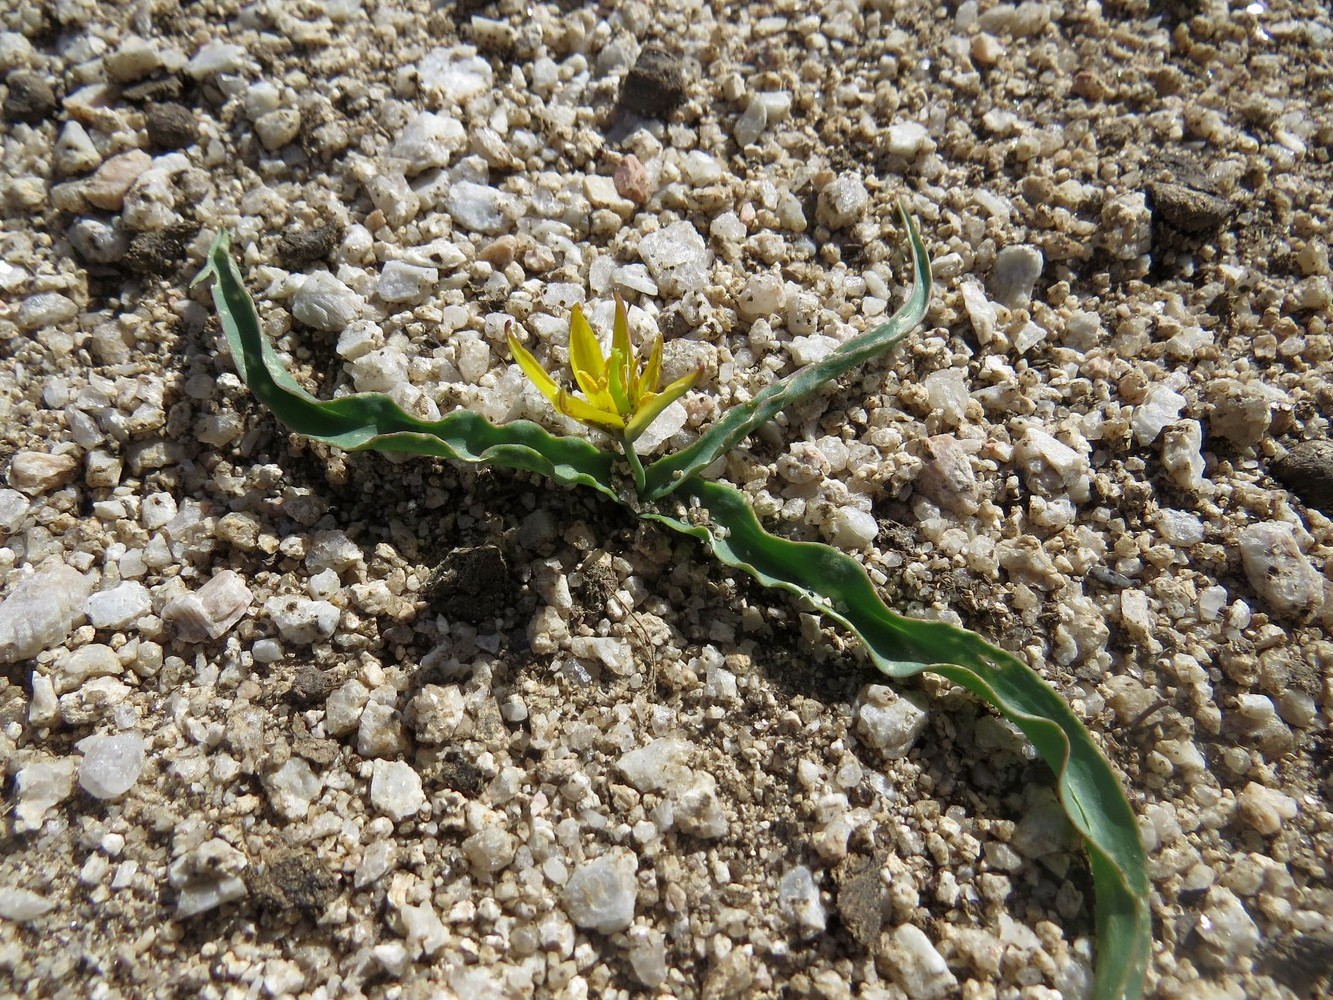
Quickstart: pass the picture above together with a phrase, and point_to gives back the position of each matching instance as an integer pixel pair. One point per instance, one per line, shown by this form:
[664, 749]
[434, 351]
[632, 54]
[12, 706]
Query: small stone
[22, 905]
[1265, 809]
[799, 902]
[111, 764]
[298, 250]
[890, 722]
[75, 152]
[1179, 527]
[651, 768]
[391, 193]
[99, 241]
[342, 710]
[31, 97]
[40, 787]
[1241, 412]
[120, 606]
[601, 193]
[489, 850]
[406, 283]
[842, 202]
[915, 965]
[41, 611]
[698, 810]
[1161, 407]
[1279, 571]
[655, 85]
[277, 128]
[456, 72]
[211, 611]
[217, 57]
[1188, 209]
[677, 258]
[106, 189]
[436, 712]
[376, 862]
[647, 956]
[981, 312]
[395, 789]
[45, 309]
[1226, 932]
[325, 303]
[480, 208]
[946, 477]
[92, 702]
[1127, 226]
[36, 472]
[1015, 275]
[134, 59]
[1182, 454]
[763, 295]
[1052, 464]
[292, 788]
[426, 935]
[170, 126]
[631, 179]
[613, 654]
[1306, 469]
[301, 620]
[429, 141]
[852, 529]
[380, 732]
[601, 893]
[908, 140]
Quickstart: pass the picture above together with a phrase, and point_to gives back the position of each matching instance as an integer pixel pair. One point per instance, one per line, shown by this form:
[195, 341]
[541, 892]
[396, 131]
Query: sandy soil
[278, 720]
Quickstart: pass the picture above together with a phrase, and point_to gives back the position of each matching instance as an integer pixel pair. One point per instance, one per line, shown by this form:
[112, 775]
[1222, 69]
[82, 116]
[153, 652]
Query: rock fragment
[211, 611]
[31, 98]
[41, 611]
[655, 85]
[1279, 571]
[1307, 470]
[395, 790]
[600, 895]
[111, 764]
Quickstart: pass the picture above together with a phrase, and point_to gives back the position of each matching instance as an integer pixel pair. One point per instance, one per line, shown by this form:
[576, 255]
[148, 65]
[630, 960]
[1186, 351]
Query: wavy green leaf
[837, 586]
[666, 474]
[373, 420]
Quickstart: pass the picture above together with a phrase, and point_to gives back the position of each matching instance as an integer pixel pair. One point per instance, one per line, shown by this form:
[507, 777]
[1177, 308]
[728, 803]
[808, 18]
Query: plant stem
[635, 466]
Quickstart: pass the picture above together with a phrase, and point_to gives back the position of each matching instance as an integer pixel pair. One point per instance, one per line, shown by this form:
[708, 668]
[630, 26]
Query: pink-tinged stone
[106, 188]
[632, 180]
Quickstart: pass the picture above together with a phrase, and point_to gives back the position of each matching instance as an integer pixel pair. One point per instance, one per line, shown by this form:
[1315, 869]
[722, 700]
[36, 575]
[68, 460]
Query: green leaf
[666, 474]
[837, 585]
[373, 420]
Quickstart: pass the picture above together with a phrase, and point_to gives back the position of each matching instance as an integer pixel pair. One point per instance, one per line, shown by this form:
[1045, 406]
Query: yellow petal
[596, 390]
[652, 371]
[651, 404]
[585, 354]
[620, 342]
[586, 413]
[531, 368]
[617, 386]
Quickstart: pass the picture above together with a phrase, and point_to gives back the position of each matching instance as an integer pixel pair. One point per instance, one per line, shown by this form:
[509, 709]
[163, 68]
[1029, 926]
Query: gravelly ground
[384, 752]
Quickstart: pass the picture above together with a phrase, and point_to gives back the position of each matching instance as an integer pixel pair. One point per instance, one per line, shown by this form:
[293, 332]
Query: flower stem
[635, 466]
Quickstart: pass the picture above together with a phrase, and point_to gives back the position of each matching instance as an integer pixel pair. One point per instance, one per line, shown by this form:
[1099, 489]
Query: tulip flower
[618, 397]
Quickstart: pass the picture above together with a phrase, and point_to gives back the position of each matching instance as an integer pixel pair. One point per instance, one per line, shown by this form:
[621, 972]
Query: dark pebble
[471, 584]
[1307, 470]
[170, 125]
[297, 250]
[654, 85]
[294, 879]
[1188, 209]
[161, 253]
[310, 687]
[30, 99]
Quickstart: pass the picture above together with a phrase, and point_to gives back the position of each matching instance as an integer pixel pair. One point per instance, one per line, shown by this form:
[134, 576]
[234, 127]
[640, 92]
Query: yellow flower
[619, 398]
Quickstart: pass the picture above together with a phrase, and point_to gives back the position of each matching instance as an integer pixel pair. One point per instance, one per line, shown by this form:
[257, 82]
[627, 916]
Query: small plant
[623, 400]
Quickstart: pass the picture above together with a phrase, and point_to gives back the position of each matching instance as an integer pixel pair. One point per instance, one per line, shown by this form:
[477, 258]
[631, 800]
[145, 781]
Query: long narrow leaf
[666, 474]
[373, 420]
[1092, 796]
